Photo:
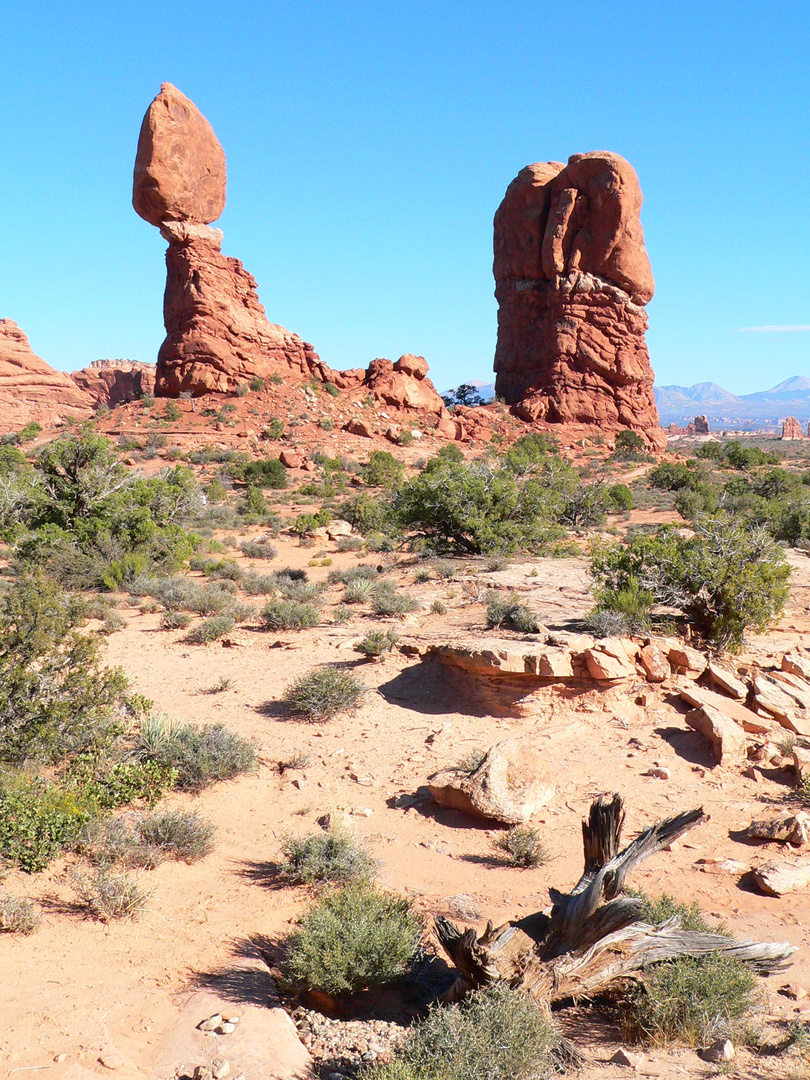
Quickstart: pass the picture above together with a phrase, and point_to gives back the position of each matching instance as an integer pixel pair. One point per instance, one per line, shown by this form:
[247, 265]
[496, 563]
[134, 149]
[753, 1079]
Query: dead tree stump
[594, 935]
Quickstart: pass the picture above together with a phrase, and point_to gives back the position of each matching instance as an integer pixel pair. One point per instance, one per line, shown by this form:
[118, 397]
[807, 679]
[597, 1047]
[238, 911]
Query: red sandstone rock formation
[792, 428]
[115, 382]
[180, 165]
[217, 333]
[32, 390]
[571, 276]
[403, 385]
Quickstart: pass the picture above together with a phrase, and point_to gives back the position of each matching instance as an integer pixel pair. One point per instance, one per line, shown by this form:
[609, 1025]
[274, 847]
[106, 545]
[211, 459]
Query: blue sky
[369, 145]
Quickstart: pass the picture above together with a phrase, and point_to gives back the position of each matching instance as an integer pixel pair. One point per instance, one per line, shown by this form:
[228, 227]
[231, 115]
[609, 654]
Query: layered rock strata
[217, 333]
[30, 389]
[572, 278]
[115, 382]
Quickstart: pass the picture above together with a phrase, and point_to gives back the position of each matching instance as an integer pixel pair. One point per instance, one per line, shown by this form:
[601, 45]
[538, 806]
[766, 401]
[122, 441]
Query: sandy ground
[77, 986]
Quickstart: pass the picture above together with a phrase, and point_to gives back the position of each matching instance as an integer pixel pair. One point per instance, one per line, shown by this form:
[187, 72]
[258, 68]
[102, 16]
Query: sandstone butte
[572, 278]
[217, 333]
[115, 382]
[32, 390]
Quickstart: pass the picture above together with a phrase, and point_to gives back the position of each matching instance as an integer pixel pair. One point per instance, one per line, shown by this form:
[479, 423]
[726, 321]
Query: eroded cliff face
[30, 389]
[572, 275]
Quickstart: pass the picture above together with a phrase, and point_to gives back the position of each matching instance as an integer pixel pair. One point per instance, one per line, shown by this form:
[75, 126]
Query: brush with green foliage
[332, 856]
[497, 1034]
[352, 939]
[322, 693]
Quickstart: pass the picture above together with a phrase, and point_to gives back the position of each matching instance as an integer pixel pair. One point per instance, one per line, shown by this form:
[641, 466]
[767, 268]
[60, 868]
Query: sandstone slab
[655, 664]
[781, 876]
[726, 678]
[794, 829]
[509, 785]
[727, 739]
[749, 721]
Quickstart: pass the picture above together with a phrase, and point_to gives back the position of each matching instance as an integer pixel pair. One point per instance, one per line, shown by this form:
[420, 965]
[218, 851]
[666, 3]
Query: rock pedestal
[572, 277]
[217, 333]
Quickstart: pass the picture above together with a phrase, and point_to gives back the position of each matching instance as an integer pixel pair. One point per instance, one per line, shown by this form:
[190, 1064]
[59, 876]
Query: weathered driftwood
[593, 935]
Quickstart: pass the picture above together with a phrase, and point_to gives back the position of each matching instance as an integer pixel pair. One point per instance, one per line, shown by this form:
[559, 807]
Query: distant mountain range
[680, 404]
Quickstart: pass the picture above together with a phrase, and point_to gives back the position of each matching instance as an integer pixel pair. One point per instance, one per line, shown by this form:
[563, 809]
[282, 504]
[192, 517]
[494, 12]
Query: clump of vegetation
[178, 834]
[323, 693]
[290, 615]
[377, 642]
[332, 856]
[18, 915]
[211, 630]
[510, 612]
[354, 938]
[359, 591]
[522, 846]
[383, 470]
[692, 1000]
[145, 840]
[174, 620]
[108, 895]
[726, 578]
[496, 1033]
[199, 755]
[387, 599]
[256, 549]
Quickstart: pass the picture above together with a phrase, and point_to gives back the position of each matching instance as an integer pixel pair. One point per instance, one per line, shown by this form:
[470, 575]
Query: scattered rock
[359, 427]
[724, 677]
[748, 720]
[801, 763]
[793, 991]
[794, 829]
[659, 772]
[720, 1050]
[291, 459]
[509, 785]
[781, 876]
[655, 664]
[211, 1024]
[220, 1068]
[796, 664]
[726, 738]
[626, 1058]
[608, 665]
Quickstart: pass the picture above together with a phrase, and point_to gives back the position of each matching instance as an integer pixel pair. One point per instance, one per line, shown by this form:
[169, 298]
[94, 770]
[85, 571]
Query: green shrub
[171, 413]
[266, 473]
[290, 615]
[275, 429]
[178, 834]
[352, 939]
[605, 622]
[254, 504]
[629, 441]
[476, 509]
[383, 470]
[692, 1001]
[210, 630]
[256, 549]
[200, 755]
[510, 612]
[259, 584]
[174, 620]
[108, 895]
[377, 642]
[621, 497]
[360, 591]
[388, 600]
[333, 856]
[657, 911]
[363, 572]
[55, 697]
[323, 693]
[18, 915]
[522, 846]
[496, 1033]
[726, 578]
[38, 820]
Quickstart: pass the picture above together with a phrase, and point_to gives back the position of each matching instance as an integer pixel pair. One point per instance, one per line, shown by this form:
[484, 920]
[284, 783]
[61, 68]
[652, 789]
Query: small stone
[369, 1055]
[624, 1057]
[211, 1024]
[220, 1068]
[225, 1028]
[202, 1072]
[720, 1050]
[362, 811]
[793, 991]
[60, 1057]
[112, 1058]
[660, 772]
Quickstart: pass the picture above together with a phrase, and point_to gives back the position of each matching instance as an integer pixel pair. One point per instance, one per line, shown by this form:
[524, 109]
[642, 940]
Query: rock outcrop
[217, 333]
[115, 382]
[572, 278]
[792, 428]
[30, 389]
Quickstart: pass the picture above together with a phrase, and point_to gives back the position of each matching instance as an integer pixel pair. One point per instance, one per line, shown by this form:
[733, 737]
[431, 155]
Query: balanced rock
[180, 166]
[509, 785]
[572, 275]
[217, 333]
[30, 389]
[404, 385]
